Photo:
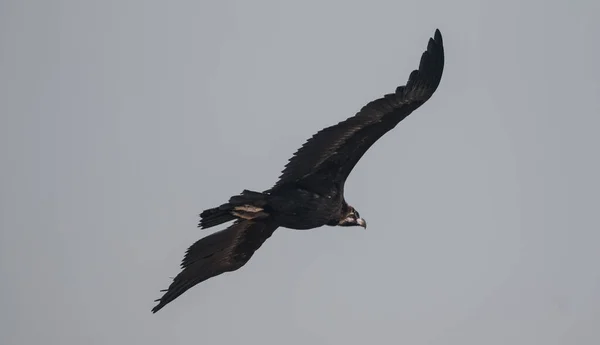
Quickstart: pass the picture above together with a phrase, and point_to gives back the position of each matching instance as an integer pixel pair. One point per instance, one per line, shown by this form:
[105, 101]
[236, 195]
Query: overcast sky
[122, 120]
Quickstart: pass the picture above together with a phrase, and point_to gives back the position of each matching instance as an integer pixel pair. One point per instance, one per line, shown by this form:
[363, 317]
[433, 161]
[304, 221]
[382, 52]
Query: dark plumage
[310, 190]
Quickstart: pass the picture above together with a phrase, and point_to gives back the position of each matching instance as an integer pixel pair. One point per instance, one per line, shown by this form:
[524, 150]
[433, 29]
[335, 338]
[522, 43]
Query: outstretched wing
[221, 252]
[332, 153]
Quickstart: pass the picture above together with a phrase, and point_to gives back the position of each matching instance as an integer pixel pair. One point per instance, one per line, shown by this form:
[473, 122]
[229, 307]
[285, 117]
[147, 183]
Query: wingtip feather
[437, 36]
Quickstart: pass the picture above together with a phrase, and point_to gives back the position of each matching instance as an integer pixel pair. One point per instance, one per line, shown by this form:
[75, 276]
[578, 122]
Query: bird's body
[301, 209]
[310, 190]
[288, 205]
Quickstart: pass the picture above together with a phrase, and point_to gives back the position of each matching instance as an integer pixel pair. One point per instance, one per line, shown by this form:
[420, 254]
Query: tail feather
[225, 213]
[214, 216]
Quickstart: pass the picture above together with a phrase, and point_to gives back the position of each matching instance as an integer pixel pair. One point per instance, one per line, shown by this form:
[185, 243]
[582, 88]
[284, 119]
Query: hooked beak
[361, 222]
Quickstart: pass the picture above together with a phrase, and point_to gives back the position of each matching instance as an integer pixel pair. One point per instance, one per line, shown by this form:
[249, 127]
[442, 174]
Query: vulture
[310, 190]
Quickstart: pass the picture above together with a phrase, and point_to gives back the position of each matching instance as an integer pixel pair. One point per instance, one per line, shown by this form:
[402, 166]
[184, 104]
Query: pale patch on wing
[248, 208]
[249, 212]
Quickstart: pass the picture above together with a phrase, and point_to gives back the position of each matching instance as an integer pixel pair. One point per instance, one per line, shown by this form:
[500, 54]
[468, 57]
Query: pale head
[352, 218]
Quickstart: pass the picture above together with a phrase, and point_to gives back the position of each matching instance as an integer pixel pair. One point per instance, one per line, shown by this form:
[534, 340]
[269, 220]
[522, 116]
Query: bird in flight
[310, 190]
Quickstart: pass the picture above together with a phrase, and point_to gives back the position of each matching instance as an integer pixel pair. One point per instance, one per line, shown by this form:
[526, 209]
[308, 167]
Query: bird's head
[352, 218]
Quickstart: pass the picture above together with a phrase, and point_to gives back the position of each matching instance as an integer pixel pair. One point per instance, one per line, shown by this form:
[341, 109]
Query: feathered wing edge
[386, 112]
[223, 251]
[321, 148]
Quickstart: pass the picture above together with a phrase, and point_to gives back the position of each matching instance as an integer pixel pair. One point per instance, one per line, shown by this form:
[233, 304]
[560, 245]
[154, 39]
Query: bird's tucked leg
[249, 212]
[247, 205]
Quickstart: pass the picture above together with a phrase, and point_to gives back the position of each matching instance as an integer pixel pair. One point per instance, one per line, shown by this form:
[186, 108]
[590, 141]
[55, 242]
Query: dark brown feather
[334, 151]
[221, 252]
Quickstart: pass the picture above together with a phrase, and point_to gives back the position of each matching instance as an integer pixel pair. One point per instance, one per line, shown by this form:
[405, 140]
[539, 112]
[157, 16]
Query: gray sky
[122, 120]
